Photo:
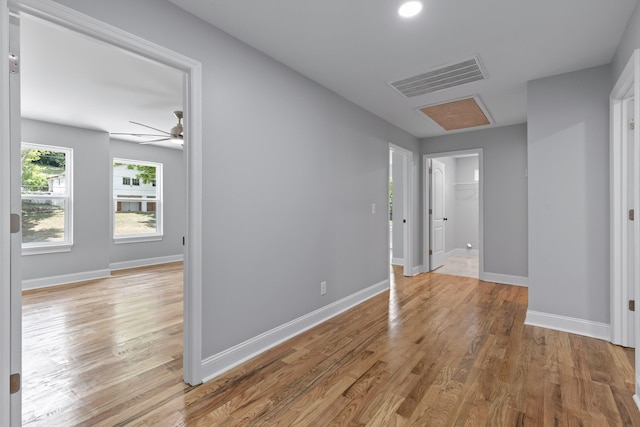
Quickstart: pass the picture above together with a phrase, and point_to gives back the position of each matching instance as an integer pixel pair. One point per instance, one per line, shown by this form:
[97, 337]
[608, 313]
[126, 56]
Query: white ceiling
[353, 47]
[74, 80]
[356, 47]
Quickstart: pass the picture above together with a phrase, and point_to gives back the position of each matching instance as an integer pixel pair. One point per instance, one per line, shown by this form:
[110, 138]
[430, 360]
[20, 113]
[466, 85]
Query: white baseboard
[64, 279]
[397, 261]
[505, 279]
[219, 363]
[145, 262]
[637, 400]
[417, 270]
[572, 325]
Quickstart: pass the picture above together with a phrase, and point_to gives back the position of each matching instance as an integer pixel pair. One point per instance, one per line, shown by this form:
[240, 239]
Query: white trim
[505, 279]
[51, 11]
[123, 265]
[397, 261]
[64, 279]
[219, 363]
[5, 236]
[619, 201]
[426, 262]
[587, 328]
[636, 399]
[418, 269]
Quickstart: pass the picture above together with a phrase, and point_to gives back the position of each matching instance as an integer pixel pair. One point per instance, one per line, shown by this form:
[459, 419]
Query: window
[137, 200]
[46, 199]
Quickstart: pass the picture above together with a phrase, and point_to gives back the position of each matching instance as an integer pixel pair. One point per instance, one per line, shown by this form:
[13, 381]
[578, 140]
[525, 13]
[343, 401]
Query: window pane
[43, 220]
[133, 184]
[131, 219]
[44, 171]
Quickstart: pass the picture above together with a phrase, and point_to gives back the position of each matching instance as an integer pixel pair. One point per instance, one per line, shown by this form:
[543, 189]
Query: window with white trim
[137, 200]
[47, 198]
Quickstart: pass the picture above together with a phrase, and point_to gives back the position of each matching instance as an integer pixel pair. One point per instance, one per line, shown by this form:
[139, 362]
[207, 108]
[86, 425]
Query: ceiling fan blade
[150, 127]
[141, 135]
[154, 140]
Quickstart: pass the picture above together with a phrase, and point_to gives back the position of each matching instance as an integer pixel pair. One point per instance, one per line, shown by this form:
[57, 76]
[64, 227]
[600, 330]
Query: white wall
[90, 252]
[505, 192]
[568, 151]
[467, 203]
[291, 170]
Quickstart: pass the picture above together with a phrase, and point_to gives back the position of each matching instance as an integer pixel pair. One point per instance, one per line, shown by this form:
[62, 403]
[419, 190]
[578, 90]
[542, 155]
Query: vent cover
[441, 78]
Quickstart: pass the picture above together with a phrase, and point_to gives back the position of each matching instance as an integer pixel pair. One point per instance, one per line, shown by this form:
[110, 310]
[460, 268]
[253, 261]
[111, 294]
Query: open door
[16, 232]
[437, 215]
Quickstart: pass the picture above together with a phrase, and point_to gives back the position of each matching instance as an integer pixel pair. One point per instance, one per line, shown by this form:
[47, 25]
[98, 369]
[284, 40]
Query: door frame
[407, 206]
[628, 85]
[5, 235]
[426, 263]
[53, 12]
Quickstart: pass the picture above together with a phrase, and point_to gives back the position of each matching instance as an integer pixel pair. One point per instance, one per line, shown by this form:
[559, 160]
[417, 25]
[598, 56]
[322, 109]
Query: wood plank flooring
[436, 350]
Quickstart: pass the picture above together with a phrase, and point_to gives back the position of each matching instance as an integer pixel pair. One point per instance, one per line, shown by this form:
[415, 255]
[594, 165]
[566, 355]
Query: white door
[437, 215]
[16, 232]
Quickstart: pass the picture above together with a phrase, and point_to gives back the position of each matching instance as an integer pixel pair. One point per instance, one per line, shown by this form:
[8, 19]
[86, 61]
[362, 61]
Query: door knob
[444, 219]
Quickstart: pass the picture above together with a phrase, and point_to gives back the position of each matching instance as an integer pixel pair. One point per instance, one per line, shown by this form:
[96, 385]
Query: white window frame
[36, 248]
[145, 237]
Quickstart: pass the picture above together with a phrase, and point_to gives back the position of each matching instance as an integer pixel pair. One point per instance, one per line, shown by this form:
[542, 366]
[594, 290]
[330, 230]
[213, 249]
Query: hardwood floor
[436, 350]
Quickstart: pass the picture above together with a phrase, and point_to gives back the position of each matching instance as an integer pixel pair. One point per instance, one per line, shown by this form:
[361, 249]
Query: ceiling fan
[175, 135]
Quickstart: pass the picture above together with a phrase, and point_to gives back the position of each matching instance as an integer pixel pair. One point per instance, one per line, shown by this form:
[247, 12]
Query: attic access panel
[460, 114]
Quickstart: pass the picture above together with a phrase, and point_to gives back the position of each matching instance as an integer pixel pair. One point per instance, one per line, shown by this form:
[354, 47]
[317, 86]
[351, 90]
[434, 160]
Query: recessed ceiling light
[409, 9]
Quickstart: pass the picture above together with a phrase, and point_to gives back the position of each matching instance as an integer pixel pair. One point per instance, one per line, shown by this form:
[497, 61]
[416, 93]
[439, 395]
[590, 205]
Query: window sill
[136, 239]
[41, 250]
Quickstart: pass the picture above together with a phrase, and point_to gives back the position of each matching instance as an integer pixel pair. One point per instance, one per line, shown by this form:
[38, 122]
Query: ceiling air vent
[441, 78]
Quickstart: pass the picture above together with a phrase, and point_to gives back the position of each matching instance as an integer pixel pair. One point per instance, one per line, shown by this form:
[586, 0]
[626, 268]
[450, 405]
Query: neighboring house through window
[137, 200]
[47, 198]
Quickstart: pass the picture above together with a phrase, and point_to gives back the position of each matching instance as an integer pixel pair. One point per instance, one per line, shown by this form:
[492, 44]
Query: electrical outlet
[323, 288]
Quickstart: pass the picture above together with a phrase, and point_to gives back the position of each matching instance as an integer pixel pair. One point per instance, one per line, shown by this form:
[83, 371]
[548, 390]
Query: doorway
[72, 20]
[453, 213]
[399, 208]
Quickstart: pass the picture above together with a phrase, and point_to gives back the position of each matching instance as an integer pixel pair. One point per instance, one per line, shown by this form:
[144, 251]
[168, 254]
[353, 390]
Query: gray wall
[174, 202]
[568, 151]
[629, 43]
[467, 203]
[93, 247]
[397, 171]
[505, 192]
[291, 170]
[91, 208]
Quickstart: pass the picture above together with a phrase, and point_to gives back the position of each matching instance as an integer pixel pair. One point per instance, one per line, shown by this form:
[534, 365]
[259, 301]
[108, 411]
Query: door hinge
[182, 240]
[15, 223]
[632, 305]
[430, 252]
[14, 383]
[14, 64]
[632, 124]
[430, 212]
[632, 214]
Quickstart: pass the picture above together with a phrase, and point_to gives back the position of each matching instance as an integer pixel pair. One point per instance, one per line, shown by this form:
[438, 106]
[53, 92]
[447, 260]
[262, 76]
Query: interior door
[16, 232]
[437, 215]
